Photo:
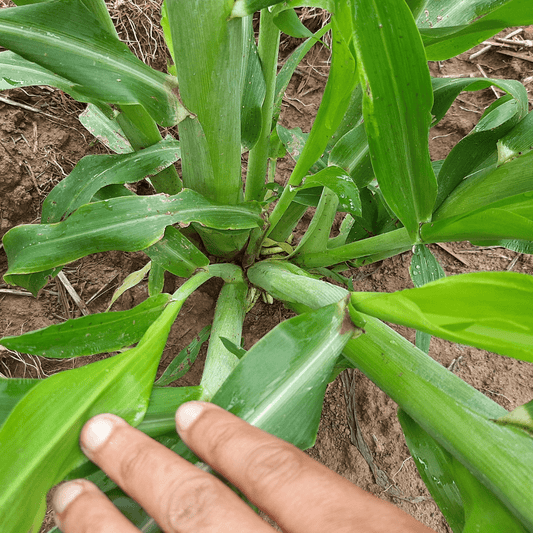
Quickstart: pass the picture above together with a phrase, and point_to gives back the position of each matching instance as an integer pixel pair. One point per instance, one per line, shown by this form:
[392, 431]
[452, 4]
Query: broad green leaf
[521, 417]
[12, 390]
[34, 282]
[397, 104]
[66, 38]
[48, 427]
[105, 129]
[435, 466]
[483, 309]
[92, 334]
[449, 28]
[242, 8]
[508, 219]
[335, 179]
[131, 280]
[476, 148]
[279, 384]
[446, 90]
[182, 363]
[96, 171]
[488, 187]
[177, 254]
[351, 153]
[209, 51]
[424, 268]
[128, 223]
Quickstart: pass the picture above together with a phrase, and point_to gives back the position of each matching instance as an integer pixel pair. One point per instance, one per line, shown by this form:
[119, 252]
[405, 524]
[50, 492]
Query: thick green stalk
[209, 50]
[393, 240]
[229, 317]
[268, 45]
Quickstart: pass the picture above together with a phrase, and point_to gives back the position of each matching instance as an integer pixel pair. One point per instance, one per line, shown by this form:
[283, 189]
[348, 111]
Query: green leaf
[352, 154]
[131, 280]
[424, 268]
[182, 363]
[156, 279]
[521, 417]
[449, 28]
[446, 90]
[233, 348]
[128, 223]
[279, 384]
[12, 390]
[106, 130]
[508, 219]
[96, 171]
[517, 141]
[435, 466]
[177, 254]
[477, 147]
[482, 309]
[39, 440]
[290, 24]
[397, 101]
[92, 334]
[66, 38]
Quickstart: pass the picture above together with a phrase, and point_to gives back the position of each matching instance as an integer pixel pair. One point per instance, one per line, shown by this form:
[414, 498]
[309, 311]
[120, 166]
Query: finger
[300, 494]
[80, 507]
[179, 496]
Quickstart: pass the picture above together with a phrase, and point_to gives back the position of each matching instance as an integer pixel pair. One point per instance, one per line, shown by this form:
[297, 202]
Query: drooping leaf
[49, 426]
[279, 384]
[483, 309]
[397, 104]
[517, 141]
[182, 363]
[64, 37]
[290, 24]
[105, 129]
[92, 334]
[94, 172]
[128, 223]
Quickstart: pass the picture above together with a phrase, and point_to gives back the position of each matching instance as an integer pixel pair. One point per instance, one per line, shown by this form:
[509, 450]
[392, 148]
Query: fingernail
[65, 495]
[97, 430]
[188, 413]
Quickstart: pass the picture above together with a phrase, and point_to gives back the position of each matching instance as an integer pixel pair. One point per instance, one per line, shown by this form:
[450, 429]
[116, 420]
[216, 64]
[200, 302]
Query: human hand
[299, 494]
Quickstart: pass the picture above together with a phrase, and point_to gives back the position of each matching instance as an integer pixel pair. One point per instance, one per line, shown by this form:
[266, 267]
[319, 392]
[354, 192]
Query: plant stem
[393, 240]
[229, 317]
[268, 45]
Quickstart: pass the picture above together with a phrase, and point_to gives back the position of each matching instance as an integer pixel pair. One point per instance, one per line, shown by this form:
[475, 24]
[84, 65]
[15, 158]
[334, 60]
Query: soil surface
[41, 143]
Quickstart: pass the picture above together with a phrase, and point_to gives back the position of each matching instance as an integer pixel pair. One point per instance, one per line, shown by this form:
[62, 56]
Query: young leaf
[66, 38]
[156, 279]
[131, 280]
[279, 384]
[117, 224]
[182, 363]
[517, 141]
[92, 334]
[397, 102]
[482, 309]
[96, 171]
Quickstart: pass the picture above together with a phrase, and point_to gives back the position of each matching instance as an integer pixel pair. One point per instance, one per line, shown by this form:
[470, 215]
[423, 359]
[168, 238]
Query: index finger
[300, 494]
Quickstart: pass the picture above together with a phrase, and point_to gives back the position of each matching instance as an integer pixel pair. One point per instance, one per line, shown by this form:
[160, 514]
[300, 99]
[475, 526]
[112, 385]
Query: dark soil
[37, 150]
